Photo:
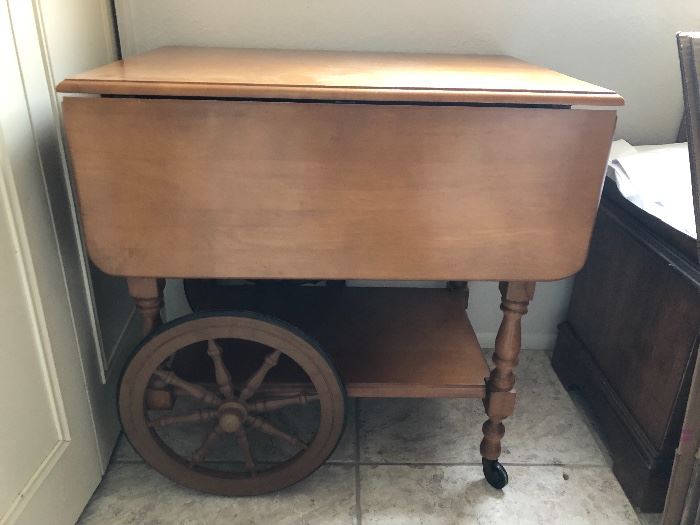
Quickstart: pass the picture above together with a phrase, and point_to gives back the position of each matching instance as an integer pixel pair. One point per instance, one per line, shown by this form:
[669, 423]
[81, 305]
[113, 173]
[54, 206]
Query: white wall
[625, 45]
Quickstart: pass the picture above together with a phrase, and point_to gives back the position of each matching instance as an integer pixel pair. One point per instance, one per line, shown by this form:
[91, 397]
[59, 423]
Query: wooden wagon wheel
[233, 416]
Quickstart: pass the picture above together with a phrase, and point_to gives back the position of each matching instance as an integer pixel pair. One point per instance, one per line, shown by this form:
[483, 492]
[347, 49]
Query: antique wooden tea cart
[281, 166]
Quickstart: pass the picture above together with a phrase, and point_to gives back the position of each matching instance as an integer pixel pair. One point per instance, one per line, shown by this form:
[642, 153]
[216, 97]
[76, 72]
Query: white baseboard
[529, 341]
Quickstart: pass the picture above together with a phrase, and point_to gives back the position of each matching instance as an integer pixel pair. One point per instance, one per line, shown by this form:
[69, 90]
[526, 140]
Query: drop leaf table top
[335, 75]
[209, 162]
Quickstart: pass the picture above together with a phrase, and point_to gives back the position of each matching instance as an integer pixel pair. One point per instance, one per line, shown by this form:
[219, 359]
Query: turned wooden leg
[147, 293]
[500, 394]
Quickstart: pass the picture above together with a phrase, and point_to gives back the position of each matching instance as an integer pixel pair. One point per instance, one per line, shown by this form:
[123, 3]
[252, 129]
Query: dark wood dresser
[630, 341]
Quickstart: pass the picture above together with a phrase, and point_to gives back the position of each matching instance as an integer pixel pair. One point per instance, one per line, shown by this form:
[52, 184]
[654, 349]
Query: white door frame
[39, 41]
[71, 469]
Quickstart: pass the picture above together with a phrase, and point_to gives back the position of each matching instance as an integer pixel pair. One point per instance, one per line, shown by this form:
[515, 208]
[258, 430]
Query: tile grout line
[398, 464]
[477, 464]
[358, 487]
[413, 464]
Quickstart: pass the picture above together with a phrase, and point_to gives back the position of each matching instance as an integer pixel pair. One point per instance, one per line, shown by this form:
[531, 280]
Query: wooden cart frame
[249, 164]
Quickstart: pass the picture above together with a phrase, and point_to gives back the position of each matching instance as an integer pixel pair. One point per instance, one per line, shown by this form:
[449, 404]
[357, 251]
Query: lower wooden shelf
[385, 342]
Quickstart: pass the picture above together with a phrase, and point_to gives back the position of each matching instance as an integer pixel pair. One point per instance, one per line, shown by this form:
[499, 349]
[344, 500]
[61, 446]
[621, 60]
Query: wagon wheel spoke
[256, 379]
[270, 405]
[268, 428]
[190, 389]
[169, 361]
[242, 439]
[223, 377]
[196, 416]
[201, 453]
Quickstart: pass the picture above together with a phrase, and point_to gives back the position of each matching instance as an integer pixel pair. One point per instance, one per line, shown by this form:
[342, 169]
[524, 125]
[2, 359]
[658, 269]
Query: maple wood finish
[147, 293]
[231, 411]
[336, 191]
[337, 75]
[259, 164]
[500, 396]
[385, 342]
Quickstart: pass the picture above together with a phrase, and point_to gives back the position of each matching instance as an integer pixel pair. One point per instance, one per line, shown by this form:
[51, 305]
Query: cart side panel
[217, 188]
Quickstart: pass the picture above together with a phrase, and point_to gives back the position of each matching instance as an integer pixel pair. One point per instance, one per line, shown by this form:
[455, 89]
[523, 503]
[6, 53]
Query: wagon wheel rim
[232, 412]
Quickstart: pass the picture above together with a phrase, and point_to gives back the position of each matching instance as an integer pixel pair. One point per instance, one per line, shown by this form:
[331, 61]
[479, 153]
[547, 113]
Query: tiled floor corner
[418, 463]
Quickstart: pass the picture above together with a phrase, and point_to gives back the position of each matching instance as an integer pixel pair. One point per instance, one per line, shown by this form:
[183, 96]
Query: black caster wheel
[495, 473]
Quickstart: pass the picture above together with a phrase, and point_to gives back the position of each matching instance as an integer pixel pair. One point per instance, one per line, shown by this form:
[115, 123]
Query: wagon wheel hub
[231, 416]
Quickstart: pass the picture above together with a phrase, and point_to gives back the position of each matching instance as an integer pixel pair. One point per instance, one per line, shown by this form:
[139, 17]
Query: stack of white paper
[656, 179]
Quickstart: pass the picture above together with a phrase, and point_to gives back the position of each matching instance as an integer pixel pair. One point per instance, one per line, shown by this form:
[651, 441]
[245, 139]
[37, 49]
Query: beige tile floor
[410, 462]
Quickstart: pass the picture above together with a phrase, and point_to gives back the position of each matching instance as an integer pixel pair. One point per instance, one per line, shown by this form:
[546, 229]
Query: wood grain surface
[332, 75]
[385, 342]
[636, 311]
[629, 344]
[206, 188]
